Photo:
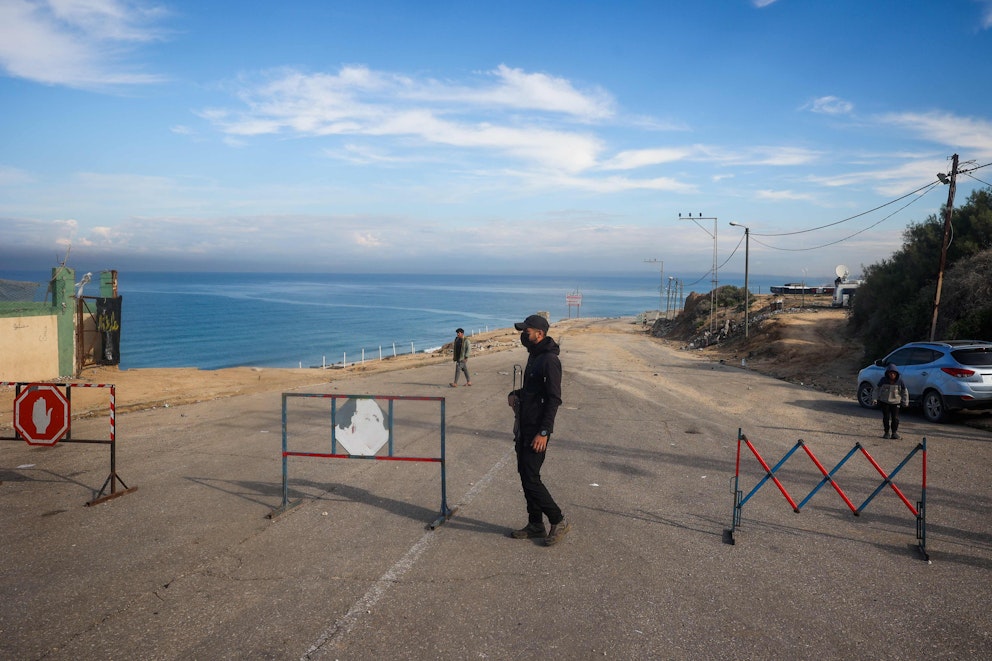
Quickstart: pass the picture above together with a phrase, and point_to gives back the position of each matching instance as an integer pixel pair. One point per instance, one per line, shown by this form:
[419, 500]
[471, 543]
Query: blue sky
[462, 137]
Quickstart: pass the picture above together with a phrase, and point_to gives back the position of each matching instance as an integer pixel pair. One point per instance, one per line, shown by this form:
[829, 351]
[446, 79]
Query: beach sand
[148, 388]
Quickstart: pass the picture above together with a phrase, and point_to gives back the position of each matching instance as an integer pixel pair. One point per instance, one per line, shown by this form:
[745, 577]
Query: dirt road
[642, 461]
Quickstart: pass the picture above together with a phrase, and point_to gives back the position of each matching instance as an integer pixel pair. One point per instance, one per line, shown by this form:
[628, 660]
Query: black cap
[459, 330]
[533, 321]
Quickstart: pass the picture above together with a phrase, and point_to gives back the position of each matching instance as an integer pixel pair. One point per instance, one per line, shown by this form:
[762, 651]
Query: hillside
[807, 345]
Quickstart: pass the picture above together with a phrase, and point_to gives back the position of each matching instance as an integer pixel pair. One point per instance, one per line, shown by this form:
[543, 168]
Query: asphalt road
[189, 566]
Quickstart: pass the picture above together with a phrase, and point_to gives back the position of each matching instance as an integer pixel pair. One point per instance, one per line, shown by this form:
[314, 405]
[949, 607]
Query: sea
[217, 320]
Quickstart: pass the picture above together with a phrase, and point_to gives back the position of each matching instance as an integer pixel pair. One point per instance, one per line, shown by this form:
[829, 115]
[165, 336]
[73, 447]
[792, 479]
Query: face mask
[524, 340]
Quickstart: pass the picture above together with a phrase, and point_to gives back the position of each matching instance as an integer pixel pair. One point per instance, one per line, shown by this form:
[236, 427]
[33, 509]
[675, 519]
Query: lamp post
[668, 296]
[661, 283]
[747, 259]
[716, 281]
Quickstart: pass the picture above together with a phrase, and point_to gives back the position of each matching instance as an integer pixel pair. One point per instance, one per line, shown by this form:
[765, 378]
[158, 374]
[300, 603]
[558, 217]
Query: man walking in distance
[536, 403]
[461, 350]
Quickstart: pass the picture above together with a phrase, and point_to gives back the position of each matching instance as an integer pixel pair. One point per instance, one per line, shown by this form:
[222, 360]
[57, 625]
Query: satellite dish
[841, 271]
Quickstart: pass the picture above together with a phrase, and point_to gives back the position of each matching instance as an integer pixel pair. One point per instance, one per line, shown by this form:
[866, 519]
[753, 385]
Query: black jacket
[539, 397]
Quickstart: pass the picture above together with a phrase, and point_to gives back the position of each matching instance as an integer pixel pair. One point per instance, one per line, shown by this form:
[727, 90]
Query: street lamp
[804, 289]
[661, 283]
[747, 259]
[668, 296]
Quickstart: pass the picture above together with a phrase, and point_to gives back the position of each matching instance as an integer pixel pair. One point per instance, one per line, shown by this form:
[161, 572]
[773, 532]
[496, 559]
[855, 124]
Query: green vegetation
[894, 305]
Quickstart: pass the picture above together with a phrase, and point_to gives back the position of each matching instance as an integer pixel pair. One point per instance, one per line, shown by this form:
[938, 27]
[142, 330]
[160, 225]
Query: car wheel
[865, 392]
[933, 406]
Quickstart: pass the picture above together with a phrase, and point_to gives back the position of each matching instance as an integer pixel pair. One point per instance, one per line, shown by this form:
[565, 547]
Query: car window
[900, 356]
[973, 357]
[922, 356]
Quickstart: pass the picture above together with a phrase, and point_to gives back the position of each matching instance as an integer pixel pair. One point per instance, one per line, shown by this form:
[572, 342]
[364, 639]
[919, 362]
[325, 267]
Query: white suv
[941, 376]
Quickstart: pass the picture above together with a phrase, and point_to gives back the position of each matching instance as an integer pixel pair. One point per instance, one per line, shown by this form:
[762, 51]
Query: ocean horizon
[218, 320]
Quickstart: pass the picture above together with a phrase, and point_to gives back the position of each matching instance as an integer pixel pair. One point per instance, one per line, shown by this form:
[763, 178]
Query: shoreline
[143, 388]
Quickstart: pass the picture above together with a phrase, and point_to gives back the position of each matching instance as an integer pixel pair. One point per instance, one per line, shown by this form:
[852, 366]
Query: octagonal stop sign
[41, 414]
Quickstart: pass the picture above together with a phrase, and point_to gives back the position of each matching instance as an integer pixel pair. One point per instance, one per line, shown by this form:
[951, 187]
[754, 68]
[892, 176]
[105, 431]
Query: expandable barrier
[358, 418]
[919, 511]
[42, 416]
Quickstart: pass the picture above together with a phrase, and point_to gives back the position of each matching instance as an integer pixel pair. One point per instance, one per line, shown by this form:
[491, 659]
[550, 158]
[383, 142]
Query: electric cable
[850, 236]
[925, 188]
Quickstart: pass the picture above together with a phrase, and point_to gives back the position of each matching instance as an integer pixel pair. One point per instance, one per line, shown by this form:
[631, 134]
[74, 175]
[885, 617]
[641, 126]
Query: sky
[538, 137]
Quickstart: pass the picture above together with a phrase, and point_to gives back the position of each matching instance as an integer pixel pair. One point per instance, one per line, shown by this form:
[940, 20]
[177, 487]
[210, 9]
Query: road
[189, 566]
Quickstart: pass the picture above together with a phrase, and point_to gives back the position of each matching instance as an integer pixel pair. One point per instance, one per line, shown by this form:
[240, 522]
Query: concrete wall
[30, 348]
[40, 342]
[37, 340]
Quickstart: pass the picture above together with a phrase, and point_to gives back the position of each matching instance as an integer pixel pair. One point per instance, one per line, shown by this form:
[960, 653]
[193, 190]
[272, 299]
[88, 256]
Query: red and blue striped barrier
[919, 510]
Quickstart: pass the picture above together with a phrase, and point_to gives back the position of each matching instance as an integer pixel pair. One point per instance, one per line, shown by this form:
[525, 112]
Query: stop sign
[41, 414]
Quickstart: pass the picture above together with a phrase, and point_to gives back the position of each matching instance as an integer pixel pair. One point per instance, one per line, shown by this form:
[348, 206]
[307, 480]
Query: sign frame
[59, 409]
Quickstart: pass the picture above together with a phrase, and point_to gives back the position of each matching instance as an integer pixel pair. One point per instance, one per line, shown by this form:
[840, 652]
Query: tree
[894, 304]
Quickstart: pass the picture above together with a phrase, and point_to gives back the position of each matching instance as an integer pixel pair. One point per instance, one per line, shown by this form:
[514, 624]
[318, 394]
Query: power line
[736, 248]
[928, 186]
[975, 178]
[849, 236]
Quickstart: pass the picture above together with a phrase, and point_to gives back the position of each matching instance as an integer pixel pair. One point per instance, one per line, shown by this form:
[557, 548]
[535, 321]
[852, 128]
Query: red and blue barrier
[919, 510]
[390, 455]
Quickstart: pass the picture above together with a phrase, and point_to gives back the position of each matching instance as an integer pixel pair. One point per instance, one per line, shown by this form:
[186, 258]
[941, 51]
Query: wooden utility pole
[943, 245]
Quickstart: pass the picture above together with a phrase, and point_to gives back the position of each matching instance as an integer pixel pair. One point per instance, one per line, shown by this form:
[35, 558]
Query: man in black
[536, 403]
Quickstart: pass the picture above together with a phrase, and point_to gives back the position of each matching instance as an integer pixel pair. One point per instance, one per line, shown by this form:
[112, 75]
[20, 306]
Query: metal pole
[716, 280]
[661, 285]
[943, 246]
[747, 260]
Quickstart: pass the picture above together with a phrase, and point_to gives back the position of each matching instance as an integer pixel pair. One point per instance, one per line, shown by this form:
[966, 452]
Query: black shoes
[530, 531]
[558, 531]
[551, 538]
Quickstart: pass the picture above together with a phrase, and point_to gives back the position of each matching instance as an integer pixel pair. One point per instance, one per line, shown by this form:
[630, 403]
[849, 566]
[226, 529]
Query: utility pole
[716, 281]
[661, 284]
[747, 259]
[951, 181]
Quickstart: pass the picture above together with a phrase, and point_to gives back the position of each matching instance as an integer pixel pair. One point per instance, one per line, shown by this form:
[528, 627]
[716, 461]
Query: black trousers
[539, 500]
[890, 416]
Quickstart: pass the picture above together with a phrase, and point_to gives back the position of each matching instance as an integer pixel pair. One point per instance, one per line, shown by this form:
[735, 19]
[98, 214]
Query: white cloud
[889, 181]
[367, 239]
[77, 43]
[986, 19]
[14, 176]
[638, 158]
[758, 155]
[830, 105]
[359, 102]
[621, 184]
[964, 133]
[539, 91]
[782, 195]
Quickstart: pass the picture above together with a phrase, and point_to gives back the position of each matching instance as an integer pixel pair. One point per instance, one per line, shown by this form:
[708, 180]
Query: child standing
[891, 394]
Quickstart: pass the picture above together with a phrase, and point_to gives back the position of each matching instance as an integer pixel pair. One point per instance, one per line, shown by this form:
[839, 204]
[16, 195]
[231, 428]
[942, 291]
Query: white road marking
[361, 607]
